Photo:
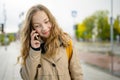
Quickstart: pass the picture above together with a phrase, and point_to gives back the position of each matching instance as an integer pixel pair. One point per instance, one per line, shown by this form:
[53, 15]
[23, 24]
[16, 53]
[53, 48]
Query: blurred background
[94, 26]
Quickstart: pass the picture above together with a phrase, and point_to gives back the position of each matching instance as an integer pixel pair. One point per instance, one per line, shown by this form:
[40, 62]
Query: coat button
[53, 65]
[39, 65]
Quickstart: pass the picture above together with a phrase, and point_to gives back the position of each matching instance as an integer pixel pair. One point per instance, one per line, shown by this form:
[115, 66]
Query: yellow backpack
[69, 50]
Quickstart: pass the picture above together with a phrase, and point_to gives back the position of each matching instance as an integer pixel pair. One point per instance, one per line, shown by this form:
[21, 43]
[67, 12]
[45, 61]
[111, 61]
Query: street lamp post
[111, 36]
[74, 15]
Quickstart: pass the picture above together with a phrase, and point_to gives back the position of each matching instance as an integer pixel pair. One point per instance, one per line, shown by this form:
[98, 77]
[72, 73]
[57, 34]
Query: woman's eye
[46, 22]
[36, 26]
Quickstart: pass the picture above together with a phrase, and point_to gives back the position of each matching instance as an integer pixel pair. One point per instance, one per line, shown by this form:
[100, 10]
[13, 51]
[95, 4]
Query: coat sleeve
[28, 71]
[75, 66]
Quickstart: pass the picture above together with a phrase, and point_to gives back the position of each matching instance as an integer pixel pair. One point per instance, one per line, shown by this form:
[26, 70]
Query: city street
[10, 71]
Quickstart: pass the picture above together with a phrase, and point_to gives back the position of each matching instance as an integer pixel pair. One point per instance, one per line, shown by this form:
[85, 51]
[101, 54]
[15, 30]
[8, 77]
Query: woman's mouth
[45, 33]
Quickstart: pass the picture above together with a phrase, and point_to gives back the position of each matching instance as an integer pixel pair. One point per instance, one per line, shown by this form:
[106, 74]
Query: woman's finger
[33, 31]
[34, 35]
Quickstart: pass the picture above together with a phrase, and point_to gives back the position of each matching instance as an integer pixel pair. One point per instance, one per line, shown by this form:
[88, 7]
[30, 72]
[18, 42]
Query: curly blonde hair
[56, 37]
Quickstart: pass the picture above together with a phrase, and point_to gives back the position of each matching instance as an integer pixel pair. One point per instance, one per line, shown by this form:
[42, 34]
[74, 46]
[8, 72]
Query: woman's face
[41, 24]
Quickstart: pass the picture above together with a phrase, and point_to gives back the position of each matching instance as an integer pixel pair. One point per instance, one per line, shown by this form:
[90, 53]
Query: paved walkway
[102, 60]
[10, 71]
[92, 73]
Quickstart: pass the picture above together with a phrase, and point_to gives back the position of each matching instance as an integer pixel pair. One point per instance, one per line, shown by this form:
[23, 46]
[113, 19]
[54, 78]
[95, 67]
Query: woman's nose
[44, 27]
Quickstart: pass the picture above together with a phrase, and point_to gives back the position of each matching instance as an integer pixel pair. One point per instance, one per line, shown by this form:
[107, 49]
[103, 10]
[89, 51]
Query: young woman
[43, 50]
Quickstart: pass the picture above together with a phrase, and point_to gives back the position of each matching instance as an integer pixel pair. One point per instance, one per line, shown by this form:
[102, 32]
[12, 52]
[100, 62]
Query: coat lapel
[59, 54]
[55, 58]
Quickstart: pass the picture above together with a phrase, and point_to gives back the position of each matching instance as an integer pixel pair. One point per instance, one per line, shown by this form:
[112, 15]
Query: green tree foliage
[100, 20]
[89, 23]
[80, 31]
[103, 25]
[1, 39]
[11, 37]
[117, 26]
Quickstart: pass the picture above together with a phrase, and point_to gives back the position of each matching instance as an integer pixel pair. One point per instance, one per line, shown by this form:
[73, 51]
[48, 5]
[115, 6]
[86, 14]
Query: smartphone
[37, 37]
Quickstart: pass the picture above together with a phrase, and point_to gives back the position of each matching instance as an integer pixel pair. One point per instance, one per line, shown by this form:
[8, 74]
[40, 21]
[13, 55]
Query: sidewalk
[102, 60]
[9, 70]
[92, 73]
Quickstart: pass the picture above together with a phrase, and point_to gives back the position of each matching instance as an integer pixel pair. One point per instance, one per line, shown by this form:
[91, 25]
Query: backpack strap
[69, 50]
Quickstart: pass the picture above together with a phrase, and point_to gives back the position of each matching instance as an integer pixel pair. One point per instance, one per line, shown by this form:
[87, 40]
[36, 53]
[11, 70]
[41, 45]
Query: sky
[61, 9]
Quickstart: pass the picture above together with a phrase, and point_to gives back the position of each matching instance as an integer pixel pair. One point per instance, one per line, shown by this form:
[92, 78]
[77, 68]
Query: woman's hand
[34, 42]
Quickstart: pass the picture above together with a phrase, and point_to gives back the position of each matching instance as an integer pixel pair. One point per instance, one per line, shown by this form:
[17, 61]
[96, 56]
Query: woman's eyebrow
[46, 19]
[35, 23]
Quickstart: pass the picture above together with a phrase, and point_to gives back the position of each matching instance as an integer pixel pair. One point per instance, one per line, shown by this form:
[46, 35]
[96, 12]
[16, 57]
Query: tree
[103, 25]
[89, 23]
[99, 19]
[117, 27]
[80, 31]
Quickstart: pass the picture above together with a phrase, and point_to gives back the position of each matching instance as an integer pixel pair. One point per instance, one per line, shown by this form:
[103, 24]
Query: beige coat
[57, 68]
